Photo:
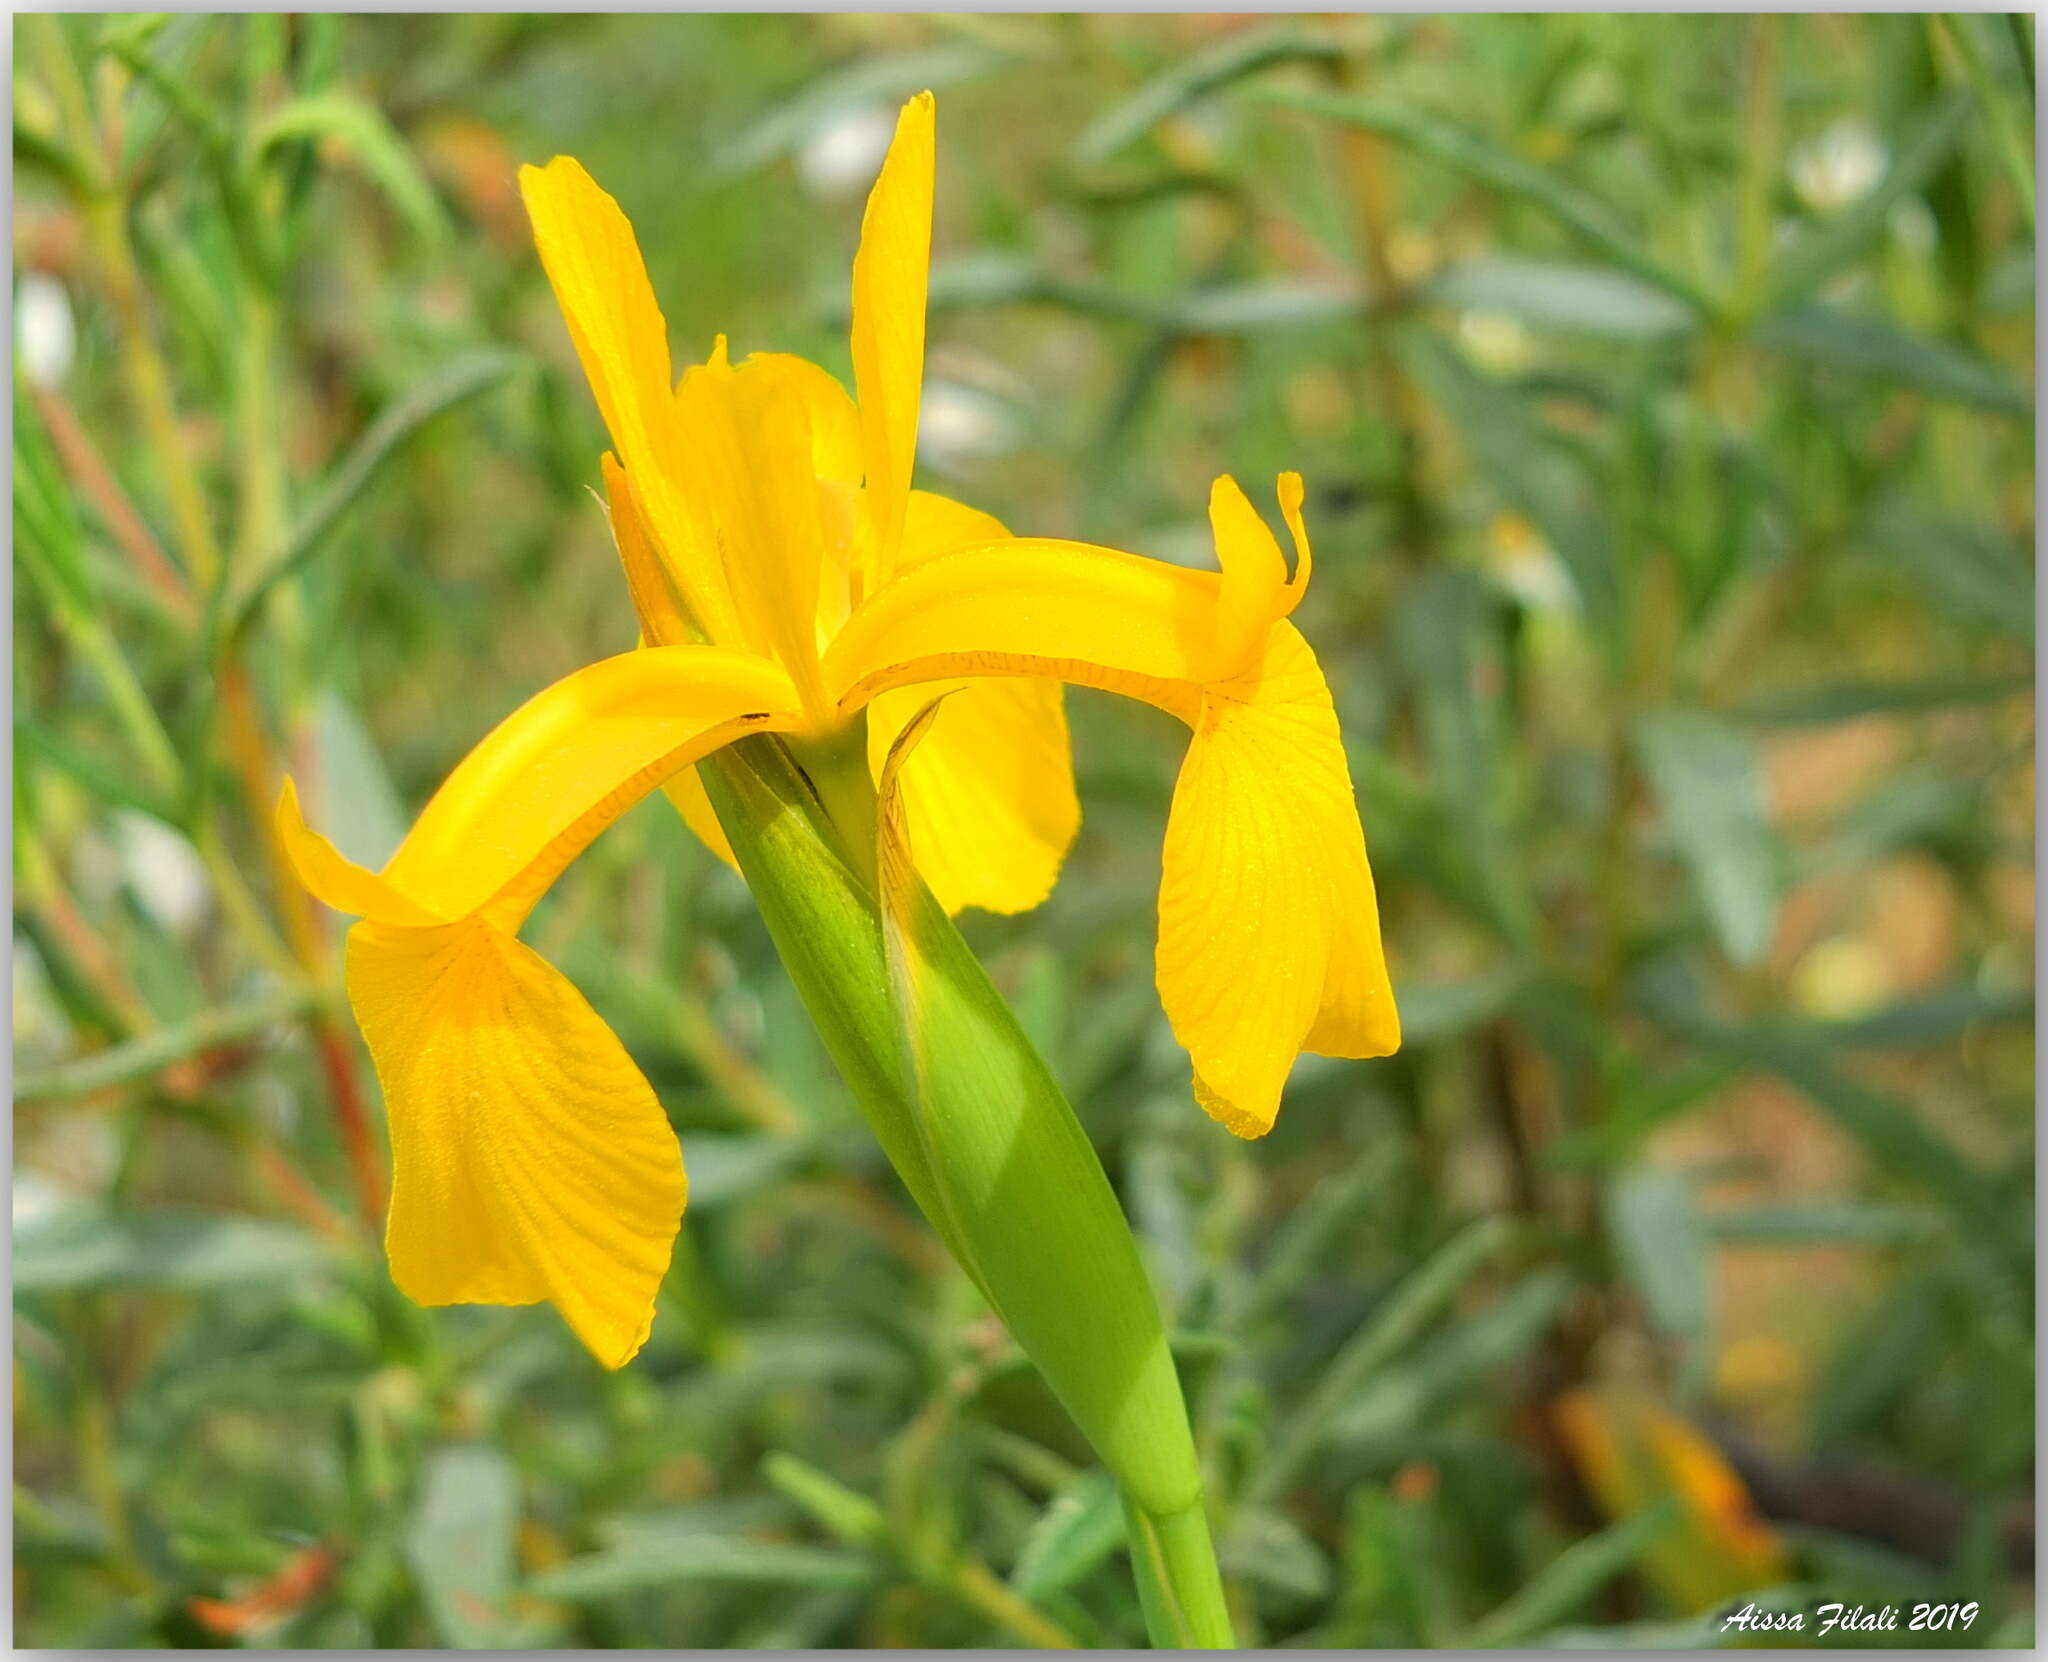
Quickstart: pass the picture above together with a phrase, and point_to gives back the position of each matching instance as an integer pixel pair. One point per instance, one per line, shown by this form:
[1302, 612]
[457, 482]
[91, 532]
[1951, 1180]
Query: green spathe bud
[984, 1139]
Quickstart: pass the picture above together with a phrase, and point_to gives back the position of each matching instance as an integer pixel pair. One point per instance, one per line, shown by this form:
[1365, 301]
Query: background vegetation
[1664, 389]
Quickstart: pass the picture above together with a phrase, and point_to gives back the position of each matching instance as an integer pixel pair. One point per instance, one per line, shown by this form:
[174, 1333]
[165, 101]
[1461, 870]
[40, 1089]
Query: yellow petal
[334, 879]
[654, 597]
[988, 796]
[568, 762]
[530, 1160]
[835, 422]
[1256, 592]
[889, 279]
[1268, 933]
[750, 427]
[593, 263]
[1088, 616]
[687, 794]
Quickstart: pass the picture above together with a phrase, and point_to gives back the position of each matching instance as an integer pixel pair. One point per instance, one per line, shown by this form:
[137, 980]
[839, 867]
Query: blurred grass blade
[1479, 158]
[464, 378]
[104, 780]
[1514, 451]
[460, 1545]
[875, 80]
[1975, 574]
[1709, 785]
[78, 1247]
[1800, 1223]
[1853, 700]
[1562, 1586]
[718, 1559]
[1395, 1326]
[139, 1058]
[1195, 77]
[1653, 1217]
[1862, 344]
[358, 807]
[1271, 1550]
[1560, 294]
[342, 120]
[1826, 250]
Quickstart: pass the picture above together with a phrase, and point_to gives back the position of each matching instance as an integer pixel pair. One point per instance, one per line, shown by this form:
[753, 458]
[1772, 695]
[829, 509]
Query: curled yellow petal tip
[334, 879]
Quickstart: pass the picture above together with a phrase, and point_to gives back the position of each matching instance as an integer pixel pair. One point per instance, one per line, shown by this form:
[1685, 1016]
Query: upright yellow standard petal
[988, 796]
[751, 428]
[889, 281]
[593, 263]
[530, 1159]
[1269, 938]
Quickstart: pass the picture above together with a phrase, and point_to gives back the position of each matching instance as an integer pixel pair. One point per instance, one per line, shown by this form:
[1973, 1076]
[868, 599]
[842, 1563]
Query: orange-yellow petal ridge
[1269, 929]
[530, 1158]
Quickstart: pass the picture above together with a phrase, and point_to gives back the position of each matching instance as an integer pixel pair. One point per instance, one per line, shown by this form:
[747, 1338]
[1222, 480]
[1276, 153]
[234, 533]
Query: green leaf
[1709, 786]
[1974, 574]
[726, 1167]
[1559, 294]
[1272, 1550]
[1862, 344]
[1563, 1585]
[1392, 1328]
[1522, 462]
[359, 809]
[1654, 1219]
[1820, 1223]
[703, 1558]
[460, 1545]
[1082, 1524]
[870, 79]
[1477, 157]
[107, 781]
[1195, 77]
[1824, 251]
[360, 127]
[88, 1246]
[1852, 700]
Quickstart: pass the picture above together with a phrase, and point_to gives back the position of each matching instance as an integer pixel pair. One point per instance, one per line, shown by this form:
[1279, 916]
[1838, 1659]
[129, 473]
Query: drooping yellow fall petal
[569, 761]
[1268, 930]
[889, 282]
[593, 263]
[530, 1160]
[988, 796]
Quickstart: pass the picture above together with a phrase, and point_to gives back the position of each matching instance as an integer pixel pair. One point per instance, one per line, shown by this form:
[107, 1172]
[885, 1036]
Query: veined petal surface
[530, 1159]
[1269, 939]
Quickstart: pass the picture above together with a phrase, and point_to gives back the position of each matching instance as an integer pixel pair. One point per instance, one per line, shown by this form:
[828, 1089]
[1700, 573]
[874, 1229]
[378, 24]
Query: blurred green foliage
[1664, 389]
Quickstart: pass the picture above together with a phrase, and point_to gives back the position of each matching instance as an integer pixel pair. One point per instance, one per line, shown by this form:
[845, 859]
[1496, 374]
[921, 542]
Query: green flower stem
[973, 1121]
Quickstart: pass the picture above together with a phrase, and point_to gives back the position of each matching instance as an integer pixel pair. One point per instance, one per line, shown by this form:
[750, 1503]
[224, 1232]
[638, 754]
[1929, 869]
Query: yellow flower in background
[789, 580]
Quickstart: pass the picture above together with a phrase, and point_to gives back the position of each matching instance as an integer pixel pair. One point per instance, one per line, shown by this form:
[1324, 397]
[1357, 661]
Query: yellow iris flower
[789, 580]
